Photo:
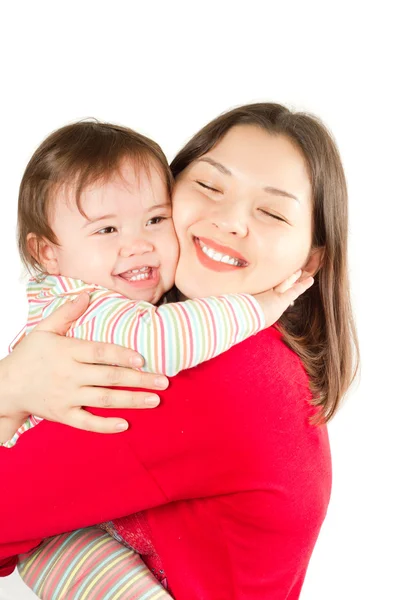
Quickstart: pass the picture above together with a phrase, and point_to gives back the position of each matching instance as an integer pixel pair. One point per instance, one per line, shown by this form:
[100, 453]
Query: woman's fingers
[113, 376]
[109, 398]
[90, 352]
[82, 419]
[105, 354]
[62, 318]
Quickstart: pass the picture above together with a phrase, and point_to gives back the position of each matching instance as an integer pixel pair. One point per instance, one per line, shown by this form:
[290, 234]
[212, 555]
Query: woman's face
[243, 215]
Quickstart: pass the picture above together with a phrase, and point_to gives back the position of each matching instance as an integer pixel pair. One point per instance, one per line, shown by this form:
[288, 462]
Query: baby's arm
[88, 563]
[181, 335]
[174, 336]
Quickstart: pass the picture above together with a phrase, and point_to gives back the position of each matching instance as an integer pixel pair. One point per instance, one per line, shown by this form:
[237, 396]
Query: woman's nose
[132, 247]
[230, 220]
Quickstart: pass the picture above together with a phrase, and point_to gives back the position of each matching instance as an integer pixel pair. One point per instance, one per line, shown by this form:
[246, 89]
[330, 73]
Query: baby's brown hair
[79, 155]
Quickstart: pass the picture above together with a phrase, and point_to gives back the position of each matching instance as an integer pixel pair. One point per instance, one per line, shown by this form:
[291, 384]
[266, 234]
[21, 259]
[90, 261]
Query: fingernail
[121, 426]
[161, 382]
[152, 400]
[136, 361]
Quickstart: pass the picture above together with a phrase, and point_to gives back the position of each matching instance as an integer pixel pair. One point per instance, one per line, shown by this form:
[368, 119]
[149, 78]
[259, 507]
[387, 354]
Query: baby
[95, 215]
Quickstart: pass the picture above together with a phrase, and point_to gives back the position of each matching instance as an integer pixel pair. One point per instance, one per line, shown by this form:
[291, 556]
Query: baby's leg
[88, 564]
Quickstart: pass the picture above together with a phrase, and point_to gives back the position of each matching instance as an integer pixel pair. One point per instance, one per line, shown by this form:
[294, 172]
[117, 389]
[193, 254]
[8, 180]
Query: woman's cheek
[278, 258]
[189, 207]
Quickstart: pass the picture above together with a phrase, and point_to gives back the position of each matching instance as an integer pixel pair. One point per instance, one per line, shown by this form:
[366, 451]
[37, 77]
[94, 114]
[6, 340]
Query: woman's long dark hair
[320, 326]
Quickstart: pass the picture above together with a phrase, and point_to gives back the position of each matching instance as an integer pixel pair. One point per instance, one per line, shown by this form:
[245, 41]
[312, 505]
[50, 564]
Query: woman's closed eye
[208, 187]
[273, 215]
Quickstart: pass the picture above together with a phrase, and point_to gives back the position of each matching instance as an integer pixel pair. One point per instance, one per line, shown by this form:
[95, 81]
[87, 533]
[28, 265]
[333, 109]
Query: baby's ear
[44, 253]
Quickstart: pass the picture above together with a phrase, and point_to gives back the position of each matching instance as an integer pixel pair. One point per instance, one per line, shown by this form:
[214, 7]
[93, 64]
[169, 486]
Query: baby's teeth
[139, 270]
[140, 276]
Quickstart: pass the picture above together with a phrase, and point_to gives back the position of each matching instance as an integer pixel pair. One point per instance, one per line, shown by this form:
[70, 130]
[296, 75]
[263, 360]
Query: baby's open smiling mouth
[142, 277]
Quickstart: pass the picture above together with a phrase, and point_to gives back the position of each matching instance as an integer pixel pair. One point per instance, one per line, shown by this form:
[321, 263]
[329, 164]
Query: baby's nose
[139, 246]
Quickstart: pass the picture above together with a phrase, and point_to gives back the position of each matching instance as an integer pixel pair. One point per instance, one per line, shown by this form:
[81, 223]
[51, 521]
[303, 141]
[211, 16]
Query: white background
[166, 68]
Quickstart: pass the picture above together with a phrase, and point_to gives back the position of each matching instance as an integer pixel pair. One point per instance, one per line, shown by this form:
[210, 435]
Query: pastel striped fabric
[88, 564]
[172, 337]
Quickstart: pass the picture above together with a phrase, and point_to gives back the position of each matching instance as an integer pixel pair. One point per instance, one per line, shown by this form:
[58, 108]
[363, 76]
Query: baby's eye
[156, 220]
[106, 230]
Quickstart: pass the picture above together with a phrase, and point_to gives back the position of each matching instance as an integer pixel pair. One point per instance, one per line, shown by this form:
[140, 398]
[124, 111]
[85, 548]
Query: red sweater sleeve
[239, 422]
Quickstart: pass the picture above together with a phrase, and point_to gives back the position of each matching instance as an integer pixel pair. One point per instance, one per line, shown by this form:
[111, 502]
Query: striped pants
[88, 564]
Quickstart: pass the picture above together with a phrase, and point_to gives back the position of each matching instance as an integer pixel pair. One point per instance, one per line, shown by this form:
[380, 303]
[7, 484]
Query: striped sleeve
[174, 336]
[30, 422]
[88, 564]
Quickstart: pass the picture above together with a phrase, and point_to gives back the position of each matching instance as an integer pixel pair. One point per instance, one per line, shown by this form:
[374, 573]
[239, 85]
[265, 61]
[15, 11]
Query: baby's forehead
[127, 190]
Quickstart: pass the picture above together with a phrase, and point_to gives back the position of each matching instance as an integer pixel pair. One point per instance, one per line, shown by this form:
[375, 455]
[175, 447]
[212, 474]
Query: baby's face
[127, 243]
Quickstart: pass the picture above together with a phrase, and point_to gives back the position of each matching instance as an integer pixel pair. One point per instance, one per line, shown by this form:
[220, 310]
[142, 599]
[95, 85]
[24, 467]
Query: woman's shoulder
[262, 359]
[260, 380]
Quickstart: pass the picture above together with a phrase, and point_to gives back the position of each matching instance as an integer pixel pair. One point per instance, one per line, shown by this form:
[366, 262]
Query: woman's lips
[214, 265]
[223, 249]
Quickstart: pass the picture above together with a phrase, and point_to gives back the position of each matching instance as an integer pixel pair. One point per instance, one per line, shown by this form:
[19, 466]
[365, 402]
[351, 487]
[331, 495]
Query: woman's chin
[190, 288]
[194, 283]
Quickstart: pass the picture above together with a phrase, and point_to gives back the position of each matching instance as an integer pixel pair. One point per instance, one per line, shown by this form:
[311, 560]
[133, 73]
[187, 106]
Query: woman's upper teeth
[219, 257]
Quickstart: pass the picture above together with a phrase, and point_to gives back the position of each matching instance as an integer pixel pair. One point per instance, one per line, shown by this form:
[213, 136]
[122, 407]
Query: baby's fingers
[288, 283]
[296, 290]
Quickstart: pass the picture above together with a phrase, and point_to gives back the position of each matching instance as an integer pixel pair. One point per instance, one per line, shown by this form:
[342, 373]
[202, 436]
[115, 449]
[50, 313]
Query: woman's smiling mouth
[216, 257]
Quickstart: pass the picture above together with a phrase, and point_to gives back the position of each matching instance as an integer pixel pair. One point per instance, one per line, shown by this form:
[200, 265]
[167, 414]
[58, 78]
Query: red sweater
[233, 479]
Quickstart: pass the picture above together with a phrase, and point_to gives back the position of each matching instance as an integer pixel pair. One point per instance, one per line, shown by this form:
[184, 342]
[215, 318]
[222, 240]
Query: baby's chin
[153, 297]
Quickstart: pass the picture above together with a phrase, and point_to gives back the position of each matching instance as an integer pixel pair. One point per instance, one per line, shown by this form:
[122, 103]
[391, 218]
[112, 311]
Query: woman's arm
[53, 377]
[239, 422]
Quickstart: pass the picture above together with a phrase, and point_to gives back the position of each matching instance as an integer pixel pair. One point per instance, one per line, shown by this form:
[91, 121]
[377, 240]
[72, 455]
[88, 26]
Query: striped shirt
[172, 337]
[88, 564]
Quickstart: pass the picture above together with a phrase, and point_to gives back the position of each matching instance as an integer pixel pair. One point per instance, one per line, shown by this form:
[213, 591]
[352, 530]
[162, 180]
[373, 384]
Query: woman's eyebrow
[278, 192]
[226, 171]
[216, 164]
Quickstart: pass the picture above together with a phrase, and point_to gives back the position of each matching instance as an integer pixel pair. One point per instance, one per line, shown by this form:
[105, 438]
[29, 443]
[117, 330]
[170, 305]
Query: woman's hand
[53, 377]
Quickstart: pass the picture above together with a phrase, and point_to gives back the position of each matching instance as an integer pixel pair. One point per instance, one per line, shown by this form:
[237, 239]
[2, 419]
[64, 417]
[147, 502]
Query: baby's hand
[274, 302]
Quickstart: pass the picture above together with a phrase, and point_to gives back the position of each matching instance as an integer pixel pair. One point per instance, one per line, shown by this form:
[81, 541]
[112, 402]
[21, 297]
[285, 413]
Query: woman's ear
[314, 261]
[44, 253]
